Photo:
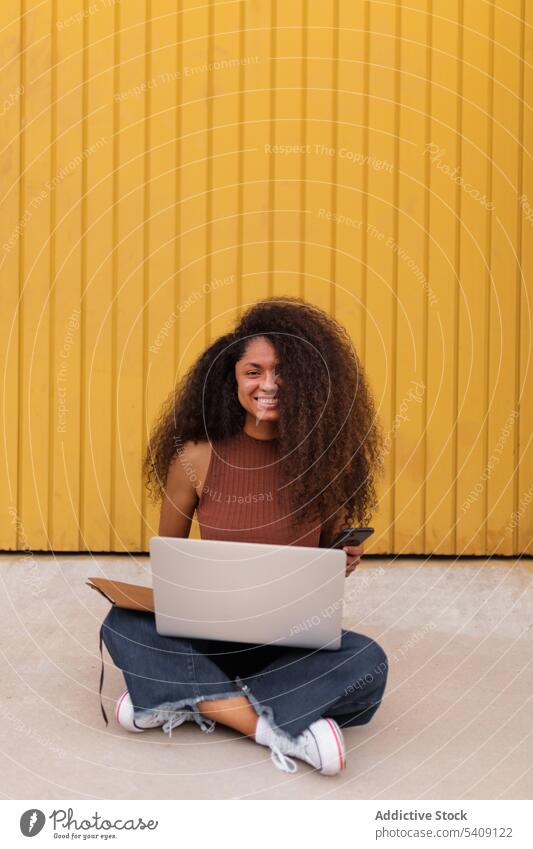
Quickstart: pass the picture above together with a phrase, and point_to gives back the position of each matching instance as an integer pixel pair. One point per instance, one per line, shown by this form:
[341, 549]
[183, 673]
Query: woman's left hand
[353, 557]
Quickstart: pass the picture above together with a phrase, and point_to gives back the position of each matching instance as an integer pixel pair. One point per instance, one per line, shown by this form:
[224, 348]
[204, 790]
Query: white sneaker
[125, 716]
[320, 745]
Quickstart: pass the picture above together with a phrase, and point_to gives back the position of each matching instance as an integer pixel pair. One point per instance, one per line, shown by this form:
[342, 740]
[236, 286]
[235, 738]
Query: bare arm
[179, 502]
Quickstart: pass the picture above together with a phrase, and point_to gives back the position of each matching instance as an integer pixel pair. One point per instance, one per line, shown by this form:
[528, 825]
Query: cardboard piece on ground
[131, 596]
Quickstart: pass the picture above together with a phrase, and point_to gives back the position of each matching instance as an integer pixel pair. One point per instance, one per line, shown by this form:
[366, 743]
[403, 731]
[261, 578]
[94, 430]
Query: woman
[271, 437]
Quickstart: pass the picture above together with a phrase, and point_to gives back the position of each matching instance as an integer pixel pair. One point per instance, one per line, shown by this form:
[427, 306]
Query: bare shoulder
[196, 452]
[193, 461]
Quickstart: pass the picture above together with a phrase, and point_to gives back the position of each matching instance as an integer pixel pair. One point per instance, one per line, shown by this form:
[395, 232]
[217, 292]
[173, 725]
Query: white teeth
[267, 402]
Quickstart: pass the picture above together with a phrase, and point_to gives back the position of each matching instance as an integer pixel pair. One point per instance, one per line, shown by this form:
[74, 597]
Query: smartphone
[351, 536]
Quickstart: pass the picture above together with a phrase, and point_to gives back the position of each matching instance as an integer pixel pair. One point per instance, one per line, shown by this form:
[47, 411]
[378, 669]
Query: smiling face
[258, 378]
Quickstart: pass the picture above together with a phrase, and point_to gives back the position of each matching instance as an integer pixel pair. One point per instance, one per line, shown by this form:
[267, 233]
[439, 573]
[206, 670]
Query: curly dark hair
[330, 440]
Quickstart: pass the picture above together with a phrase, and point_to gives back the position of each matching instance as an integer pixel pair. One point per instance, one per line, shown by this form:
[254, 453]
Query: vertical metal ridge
[20, 389]
[518, 305]
[83, 284]
[303, 166]
[490, 130]
[457, 269]
[364, 210]
[51, 272]
[211, 35]
[114, 270]
[272, 139]
[395, 230]
[240, 166]
[426, 249]
[146, 247]
[177, 184]
[334, 169]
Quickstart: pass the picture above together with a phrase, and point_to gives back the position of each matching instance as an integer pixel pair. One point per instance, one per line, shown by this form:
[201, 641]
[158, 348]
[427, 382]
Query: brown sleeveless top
[241, 499]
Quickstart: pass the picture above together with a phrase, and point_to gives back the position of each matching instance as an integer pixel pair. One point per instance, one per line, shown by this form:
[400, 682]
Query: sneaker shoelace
[168, 720]
[179, 717]
[278, 752]
[173, 721]
[281, 760]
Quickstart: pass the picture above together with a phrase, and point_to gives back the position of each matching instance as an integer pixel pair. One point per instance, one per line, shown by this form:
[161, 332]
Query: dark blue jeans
[290, 687]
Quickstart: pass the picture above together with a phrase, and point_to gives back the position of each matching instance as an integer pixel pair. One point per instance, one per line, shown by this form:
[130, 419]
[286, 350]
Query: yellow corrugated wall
[165, 163]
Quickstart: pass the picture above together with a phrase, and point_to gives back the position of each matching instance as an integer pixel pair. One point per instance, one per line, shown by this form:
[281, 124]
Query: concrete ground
[456, 721]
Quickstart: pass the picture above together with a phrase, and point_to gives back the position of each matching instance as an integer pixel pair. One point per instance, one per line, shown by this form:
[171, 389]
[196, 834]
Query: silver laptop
[286, 595]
